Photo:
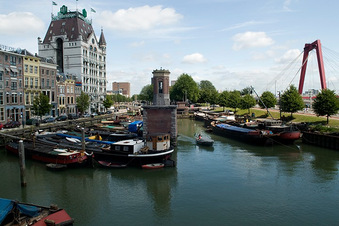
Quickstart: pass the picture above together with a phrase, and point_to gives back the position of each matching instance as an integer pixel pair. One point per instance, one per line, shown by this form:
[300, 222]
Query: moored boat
[252, 136]
[137, 152]
[50, 154]
[205, 141]
[17, 213]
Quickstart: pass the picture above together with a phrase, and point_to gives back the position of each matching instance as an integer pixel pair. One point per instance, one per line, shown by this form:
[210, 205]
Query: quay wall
[322, 140]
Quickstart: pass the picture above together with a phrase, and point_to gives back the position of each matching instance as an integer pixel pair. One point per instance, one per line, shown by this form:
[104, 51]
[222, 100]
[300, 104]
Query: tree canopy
[222, 99]
[185, 88]
[326, 103]
[268, 99]
[108, 102]
[247, 101]
[82, 102]
[41, 105]
[207, 92]
[233, 100]
[291, 100]
[146, 93]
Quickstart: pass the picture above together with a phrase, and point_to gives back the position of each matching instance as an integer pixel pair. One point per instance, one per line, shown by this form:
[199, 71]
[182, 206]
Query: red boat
[48, 154]
[17, 213]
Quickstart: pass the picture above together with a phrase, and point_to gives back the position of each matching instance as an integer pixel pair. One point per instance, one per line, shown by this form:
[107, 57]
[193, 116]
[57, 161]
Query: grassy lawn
[261, 113]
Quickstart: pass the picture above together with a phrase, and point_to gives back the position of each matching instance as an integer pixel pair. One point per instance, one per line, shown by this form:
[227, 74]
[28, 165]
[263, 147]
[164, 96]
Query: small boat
[111, 164]
[17, 213]
[205, 141]
[153, 166]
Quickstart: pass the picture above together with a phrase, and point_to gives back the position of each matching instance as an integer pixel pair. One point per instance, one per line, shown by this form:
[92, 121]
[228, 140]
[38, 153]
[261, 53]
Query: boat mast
[262, 102]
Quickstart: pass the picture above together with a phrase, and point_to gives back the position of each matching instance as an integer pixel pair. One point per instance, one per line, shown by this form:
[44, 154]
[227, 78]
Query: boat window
[117, 148]
[159, 138]
[125, 148]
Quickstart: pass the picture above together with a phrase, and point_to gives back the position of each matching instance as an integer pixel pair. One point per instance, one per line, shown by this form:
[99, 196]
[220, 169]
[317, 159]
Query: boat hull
[250, 136]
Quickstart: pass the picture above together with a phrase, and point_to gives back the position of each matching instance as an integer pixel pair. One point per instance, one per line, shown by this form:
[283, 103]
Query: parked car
[12, 124]
[109, 112]
[62, 118]
[86, 115]
[32, 121]
[93, 114]
[73, 116]
[48, 119]
[1, 126]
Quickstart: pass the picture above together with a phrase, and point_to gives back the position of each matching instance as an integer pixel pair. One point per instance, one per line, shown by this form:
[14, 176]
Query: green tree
[326, 103]
[185, 88]
[233, 100]
[82, 102]
[222, 99]
[108, 102]
[245, 91]
[247, 102]
[146, 93]
[41, 105]
[207, 92]
[291, 100]
[268, 99]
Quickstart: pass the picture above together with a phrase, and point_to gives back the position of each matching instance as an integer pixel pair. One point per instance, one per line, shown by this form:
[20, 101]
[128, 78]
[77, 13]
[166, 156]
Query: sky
[233, 44]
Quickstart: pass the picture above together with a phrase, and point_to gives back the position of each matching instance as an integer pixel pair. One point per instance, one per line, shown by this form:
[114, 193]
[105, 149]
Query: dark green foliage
[291, 100]
[41, 105]
[207, 92]
[326, 103]
[108, 102]
[222, 99]
[185, 88]
[82, 102]
[233, 100]
[268, 98]
[146, 93]
[247, 101]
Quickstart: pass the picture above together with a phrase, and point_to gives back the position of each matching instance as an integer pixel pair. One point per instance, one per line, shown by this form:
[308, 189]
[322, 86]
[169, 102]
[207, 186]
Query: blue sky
[232, 43]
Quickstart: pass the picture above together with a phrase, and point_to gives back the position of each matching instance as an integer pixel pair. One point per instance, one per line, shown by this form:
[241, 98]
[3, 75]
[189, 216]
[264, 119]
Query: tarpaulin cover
[133, 127]
[6, 206]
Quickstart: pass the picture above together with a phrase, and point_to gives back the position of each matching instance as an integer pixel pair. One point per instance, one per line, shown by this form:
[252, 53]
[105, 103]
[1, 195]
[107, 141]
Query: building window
[1, 75]
[14, 86]
[47, 83]
[35, 70]
[42, 83]
[160, 87]
[47, 72]
[13, 60]
[30, 69]
[36, 83]
[14, 98]
[26, 82]
[31, 82]
[26, 68]
[20, 83]
[2, 114]
[42, 71]
[1, 98]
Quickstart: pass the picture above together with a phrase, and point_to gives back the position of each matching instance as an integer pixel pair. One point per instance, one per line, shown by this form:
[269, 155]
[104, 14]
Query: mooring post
[22, 163]
[83, 139]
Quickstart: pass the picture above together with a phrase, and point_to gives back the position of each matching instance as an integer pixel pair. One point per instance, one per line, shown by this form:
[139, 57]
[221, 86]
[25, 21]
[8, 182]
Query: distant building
[71, 43]
[123, 88]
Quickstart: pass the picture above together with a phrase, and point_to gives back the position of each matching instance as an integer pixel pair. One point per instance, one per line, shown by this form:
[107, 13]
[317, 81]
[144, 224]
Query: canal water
[229, 184]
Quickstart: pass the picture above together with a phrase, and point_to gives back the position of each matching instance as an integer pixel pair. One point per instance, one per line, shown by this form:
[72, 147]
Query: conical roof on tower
[102, 40]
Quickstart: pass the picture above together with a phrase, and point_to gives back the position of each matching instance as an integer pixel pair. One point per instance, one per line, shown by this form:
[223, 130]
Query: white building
[71, 43]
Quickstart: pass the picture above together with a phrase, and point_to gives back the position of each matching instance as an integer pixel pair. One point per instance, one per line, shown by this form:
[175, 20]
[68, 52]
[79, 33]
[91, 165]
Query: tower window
[160, 87]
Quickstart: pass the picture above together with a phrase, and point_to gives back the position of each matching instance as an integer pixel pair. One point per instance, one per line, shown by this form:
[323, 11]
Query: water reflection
[290, 159]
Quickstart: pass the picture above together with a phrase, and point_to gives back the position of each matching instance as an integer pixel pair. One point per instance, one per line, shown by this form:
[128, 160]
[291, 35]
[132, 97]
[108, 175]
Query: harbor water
[231, 183]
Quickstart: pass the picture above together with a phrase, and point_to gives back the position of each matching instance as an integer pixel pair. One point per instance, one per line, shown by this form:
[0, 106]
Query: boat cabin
[131, 146]
[158, 142]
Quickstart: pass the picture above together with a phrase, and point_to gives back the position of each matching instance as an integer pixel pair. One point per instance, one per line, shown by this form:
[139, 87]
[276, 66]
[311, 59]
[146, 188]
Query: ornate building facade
[71, 43]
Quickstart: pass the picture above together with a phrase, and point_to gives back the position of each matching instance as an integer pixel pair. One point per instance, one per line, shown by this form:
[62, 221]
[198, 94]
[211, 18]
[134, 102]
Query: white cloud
[251, 39]
[139, 19]
[289, 56]
[20, 23]
[194, 58]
